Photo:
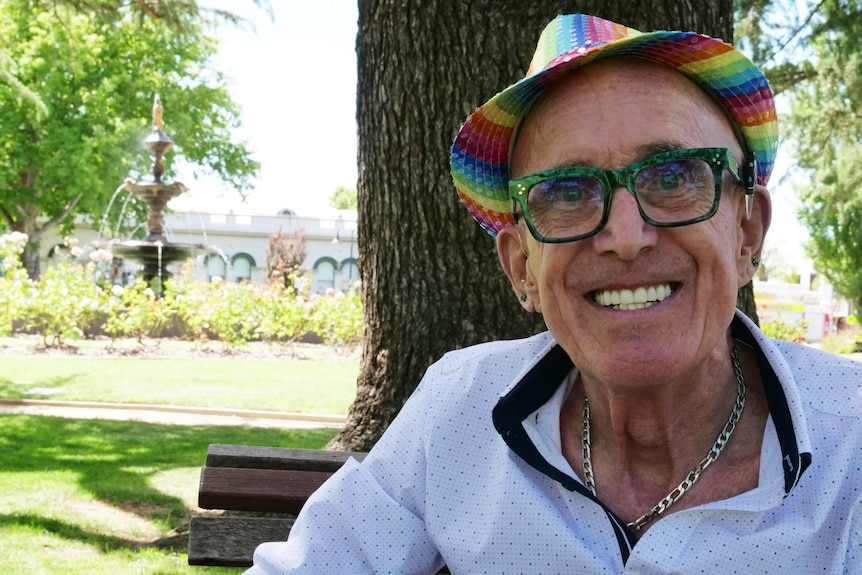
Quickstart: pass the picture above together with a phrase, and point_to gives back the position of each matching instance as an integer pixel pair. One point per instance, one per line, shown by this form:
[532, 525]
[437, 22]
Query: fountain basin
[155, 256]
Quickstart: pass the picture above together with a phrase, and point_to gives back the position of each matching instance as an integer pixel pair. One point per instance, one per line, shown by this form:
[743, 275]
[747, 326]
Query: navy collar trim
[533, 391]
[794, 462]
[540, 383]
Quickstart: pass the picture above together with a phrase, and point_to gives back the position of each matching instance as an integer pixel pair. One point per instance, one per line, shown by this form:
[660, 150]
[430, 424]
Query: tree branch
[797, 31]
[148, 10]
[37, 234]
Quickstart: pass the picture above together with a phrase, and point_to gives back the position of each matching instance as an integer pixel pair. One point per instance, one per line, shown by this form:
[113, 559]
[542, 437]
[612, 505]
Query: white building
[241, 241]
[811, 299]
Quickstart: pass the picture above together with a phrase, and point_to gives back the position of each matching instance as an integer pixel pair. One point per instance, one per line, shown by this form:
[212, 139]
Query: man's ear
[514, 258]
[753, 234]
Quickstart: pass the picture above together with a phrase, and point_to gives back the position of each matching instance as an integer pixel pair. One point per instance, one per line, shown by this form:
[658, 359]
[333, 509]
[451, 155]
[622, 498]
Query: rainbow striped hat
[480, 153]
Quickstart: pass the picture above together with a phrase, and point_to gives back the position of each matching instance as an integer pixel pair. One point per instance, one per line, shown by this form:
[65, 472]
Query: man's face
[609, 115]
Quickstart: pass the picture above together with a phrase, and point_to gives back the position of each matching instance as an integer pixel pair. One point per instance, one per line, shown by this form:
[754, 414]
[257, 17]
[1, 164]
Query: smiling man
[658, 369]
[653, 428]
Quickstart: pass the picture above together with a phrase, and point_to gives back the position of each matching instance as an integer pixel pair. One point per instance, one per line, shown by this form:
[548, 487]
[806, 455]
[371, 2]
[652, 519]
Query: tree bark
[430, 277]
[27, 223]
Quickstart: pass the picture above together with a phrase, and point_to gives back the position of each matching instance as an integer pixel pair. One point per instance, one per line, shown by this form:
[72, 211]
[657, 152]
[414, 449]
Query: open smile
[630, 299]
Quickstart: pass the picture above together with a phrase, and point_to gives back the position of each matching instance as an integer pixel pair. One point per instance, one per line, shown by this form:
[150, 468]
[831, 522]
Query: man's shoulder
[827, 382]
[507, 354]
[808, 359]
[482, 372]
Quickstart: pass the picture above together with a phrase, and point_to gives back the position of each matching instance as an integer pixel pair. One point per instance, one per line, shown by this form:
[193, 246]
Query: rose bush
[73, 300]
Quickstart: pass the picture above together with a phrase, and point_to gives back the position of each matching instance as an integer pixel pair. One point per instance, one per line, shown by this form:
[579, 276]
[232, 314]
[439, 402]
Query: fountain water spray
[155, 252]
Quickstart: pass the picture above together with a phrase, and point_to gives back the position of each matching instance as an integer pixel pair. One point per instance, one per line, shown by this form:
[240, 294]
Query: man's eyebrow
[654, 148]
[642, 153]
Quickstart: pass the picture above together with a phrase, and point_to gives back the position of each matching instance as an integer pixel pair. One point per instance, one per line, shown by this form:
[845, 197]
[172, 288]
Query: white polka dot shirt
[471, 475]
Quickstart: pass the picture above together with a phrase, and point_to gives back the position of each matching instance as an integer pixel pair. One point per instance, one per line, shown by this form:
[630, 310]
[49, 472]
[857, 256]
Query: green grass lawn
[92, 497]
[301, 385]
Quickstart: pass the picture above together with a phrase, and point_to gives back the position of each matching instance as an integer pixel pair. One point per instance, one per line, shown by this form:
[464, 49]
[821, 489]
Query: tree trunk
[745, 302]
[27, 224]
[430, 277]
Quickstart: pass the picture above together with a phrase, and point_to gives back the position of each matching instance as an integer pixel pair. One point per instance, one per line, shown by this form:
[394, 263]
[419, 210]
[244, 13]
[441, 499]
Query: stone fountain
[155, 252]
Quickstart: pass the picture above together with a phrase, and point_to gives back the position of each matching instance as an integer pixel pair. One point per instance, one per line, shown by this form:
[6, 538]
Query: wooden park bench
[255, 494]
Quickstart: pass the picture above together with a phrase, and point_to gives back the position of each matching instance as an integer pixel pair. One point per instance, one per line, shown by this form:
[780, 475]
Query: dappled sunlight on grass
[101, 494]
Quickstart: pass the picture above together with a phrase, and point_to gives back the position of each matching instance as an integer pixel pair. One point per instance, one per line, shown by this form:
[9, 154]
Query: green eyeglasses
[672, 189]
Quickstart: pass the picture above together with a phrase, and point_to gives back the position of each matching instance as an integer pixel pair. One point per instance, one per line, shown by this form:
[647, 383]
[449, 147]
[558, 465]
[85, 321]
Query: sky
[295, 82]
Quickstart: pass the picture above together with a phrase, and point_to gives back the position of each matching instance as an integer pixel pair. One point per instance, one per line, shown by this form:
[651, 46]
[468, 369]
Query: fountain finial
[157, 143]
[158, 110]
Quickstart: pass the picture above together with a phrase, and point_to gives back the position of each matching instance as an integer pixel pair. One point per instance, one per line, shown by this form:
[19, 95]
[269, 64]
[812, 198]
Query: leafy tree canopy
[95, 73]
[812, 51]
[344, 198]
[176, 14]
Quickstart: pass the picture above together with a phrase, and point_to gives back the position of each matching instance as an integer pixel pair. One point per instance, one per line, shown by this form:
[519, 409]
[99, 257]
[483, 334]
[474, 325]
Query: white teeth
[626, 299]
[652, 294]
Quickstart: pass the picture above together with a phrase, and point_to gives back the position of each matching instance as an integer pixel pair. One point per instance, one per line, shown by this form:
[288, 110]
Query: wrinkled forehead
[618, 99]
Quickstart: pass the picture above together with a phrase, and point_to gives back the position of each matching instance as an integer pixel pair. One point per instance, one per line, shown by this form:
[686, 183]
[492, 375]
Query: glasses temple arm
[749, 174]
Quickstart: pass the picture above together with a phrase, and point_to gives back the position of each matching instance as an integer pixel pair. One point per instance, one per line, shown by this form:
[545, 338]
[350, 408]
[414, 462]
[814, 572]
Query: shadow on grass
[23, 390]
[114, 462]
[65, 530]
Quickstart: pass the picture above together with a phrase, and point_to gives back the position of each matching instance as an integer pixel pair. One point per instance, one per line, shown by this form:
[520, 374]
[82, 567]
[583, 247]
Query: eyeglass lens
[669, 192]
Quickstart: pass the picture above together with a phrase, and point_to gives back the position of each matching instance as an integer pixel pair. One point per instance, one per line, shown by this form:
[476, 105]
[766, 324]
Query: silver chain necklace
[694, 474]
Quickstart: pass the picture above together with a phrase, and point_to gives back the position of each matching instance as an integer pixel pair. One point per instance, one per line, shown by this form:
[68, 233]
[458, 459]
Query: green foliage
[14, 280]
[830, 153]
[344, 198]
[286, 317]
[827, 130]
[779, 329]
[64, 304]
[72, 301]
[812, 50]
[337, 318]
[773, 33]
[228, 312]
[134, 312]
[96, 73]
[173, 14]
[845, 342]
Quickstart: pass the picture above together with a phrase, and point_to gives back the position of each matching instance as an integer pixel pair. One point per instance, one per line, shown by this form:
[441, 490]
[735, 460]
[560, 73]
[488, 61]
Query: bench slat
[272, 490]
[257, 457]
[231, 541]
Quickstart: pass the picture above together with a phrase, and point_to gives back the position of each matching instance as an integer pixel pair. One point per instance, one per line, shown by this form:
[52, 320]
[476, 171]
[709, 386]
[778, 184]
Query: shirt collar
[539, 384]
[782, 396]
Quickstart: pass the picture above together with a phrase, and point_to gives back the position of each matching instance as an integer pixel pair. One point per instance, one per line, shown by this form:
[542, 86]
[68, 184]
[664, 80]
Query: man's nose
[625, 233]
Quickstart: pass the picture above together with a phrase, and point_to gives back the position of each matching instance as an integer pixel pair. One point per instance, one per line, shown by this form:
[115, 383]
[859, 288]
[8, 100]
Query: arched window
[215, 266]
[349, 273]
[242, 264]
[324, 274]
